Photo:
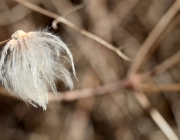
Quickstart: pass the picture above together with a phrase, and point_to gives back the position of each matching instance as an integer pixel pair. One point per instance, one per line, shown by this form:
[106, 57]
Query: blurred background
[115, 116]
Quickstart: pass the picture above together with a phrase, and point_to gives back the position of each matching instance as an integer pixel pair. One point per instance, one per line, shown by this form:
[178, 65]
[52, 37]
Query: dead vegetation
[127, 61]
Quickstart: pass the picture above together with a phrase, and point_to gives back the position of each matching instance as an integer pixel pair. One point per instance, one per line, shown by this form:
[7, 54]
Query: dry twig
[156, 116]
[160, 88]
[66, 14]
[168, 63]
[109, 88]
[169, 28]
[3, 42]
[148, 46]
[163, 66]
[71, 25]
[90, 92]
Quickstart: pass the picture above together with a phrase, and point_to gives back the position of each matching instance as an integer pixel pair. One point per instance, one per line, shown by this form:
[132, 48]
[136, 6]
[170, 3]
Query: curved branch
[73, 26]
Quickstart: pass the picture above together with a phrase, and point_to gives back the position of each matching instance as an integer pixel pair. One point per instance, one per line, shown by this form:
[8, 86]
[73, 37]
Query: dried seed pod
[31, 62]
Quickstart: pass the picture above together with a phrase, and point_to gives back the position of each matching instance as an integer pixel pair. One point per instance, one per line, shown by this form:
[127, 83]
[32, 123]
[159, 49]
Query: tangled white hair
[31, 62]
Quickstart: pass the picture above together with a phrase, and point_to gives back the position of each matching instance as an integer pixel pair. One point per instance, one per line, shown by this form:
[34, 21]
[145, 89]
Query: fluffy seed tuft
[31, 62]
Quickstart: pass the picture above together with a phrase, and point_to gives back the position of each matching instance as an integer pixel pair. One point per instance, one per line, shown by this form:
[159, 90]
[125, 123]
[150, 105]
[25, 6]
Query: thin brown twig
[75, 8]
[163, 66]
[89, 92]
[5, 41]
[73, 26]
[109, 88]
[170, 27]
[66, 14]
[168, 63]
[160, 88]
[156, 116]
[148, 46]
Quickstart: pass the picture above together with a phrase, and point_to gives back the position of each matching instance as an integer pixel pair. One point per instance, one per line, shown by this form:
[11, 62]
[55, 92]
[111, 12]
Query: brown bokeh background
[115, 116]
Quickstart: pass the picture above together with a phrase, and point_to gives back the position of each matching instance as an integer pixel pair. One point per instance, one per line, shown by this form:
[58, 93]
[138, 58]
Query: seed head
[31, 62]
